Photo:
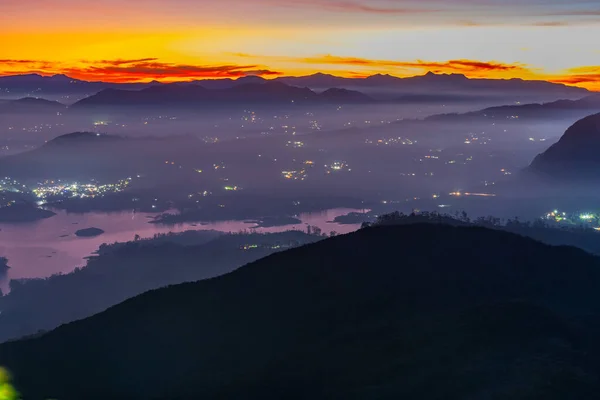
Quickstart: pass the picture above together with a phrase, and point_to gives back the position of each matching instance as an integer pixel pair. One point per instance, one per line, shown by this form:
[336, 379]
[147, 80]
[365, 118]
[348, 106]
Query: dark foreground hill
[393, 312]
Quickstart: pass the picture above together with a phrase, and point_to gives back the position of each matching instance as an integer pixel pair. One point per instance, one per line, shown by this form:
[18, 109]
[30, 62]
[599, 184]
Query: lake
[47, 247]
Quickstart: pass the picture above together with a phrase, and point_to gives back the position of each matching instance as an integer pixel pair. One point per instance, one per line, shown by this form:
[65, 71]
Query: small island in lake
[23, 213]
[271, 222]
[89, 232]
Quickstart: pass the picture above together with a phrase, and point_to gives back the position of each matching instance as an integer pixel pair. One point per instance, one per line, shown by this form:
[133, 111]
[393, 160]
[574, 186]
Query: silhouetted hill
[77, 138]
[31, 105]
[124, 270]
[431, 82]
[345, 95]
[57, 84]
[318, 80]
[17, 213]
[575, 155]
[193, 95]
[77, 155]
[415, 312]
[227, 83]
[555, 109]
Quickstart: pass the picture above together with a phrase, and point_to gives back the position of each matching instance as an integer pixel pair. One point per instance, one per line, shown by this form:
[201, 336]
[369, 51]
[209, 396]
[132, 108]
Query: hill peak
[575, 154]
[81, 137]
[382, 312]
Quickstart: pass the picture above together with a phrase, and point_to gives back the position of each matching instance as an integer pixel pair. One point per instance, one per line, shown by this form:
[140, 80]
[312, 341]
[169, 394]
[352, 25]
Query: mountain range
[419, 311]
[555, 109]
[34, 84]
[187, 95]
[31, 104]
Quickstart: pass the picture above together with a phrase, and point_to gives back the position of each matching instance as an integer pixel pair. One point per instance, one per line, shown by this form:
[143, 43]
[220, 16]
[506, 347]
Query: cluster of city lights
[389, 141]
[296, 175]
[585, 218]
[49, 189]
[338, 166]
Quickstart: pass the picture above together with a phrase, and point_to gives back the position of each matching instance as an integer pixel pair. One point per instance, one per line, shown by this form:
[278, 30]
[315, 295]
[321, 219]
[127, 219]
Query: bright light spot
[7, 391]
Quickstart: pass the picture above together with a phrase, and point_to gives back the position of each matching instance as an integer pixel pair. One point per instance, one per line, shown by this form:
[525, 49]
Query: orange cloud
[471, 67]
[586, 76]
[150, 68]
[123, 62]
[354, 7]
[16, 62]
[135, 70]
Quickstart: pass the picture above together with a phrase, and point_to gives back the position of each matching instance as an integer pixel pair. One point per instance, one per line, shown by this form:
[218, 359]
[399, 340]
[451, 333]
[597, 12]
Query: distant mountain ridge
[31, 104]
[182, 95]
[77, 138]
[559, 108]
[34, 83]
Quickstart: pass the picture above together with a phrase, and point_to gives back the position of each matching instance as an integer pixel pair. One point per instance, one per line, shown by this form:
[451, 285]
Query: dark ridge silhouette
[555, 109]
[418, 312]
[228, 83]
[31, 105]
[124, 270]
[268, 92]
[77, 138]
[23, 212]
[430, 82]
[345, 95]
[59, 84]
[318, 80]
[156, 95]
[77, 155]
[250, 79]
[575, 155]
[192, 95]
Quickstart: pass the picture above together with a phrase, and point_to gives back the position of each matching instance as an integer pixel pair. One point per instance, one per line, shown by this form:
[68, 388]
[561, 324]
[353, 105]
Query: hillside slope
[415, 312]
[575, 155]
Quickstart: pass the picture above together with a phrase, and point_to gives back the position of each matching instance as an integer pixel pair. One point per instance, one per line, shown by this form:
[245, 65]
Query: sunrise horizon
[185, 40]
[189, 73]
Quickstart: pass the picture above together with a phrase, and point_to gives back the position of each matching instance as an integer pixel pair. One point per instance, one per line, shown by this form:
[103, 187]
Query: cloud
[143, 69]
[366, 8]
[263, 72]
[15, 62]
[576, 13]
[123, 62]
[578, 79]
[587, 76]
[589, 69]
[361, 7]
[451, 66]
[550, 23]
[151, 68]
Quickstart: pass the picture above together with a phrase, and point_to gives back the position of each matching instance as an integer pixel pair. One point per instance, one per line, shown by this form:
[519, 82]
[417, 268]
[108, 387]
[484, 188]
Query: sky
[173, 40]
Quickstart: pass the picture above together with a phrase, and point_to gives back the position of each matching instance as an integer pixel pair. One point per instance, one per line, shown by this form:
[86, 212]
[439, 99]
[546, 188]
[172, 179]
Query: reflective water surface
[47, 247]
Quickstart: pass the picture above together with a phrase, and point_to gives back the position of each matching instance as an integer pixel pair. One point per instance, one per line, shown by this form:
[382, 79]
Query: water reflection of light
[47, 247]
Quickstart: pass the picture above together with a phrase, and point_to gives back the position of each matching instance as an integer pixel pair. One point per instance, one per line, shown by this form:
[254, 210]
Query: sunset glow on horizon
[179, 40]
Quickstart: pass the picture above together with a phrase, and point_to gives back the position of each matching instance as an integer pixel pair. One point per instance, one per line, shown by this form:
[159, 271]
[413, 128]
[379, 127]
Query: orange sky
[142, 40]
